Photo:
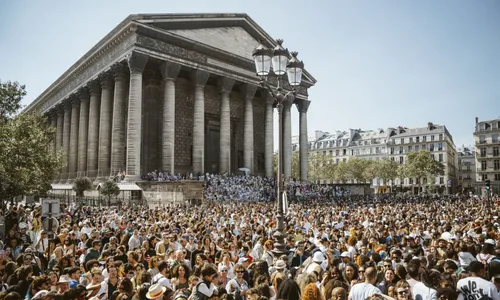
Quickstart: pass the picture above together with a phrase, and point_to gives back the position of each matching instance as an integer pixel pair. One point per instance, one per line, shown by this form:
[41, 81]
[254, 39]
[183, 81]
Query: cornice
[104, 47]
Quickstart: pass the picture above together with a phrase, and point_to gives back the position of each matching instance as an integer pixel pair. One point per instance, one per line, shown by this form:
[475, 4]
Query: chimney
[477, 120]
[430, 125]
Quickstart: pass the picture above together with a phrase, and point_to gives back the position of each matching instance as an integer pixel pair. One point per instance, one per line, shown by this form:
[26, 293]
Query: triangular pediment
[235, 40]
[236, 34]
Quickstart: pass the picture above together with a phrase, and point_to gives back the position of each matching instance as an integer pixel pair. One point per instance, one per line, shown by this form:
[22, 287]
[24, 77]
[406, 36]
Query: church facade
[170, 92]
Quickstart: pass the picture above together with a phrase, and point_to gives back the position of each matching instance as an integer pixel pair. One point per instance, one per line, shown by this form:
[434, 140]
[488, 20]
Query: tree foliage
[422, 165]
[81, 185]
[27, 161]
[386, 169]
[11, 94]
[110, 189]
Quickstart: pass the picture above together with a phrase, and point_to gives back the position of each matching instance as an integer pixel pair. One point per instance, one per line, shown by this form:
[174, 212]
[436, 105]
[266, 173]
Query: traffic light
[487, 184]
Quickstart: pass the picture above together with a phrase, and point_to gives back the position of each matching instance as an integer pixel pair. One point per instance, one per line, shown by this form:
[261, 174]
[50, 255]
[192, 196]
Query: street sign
[51, 206]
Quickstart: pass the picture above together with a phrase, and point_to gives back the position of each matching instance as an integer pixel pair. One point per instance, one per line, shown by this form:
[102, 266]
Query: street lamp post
[282, 64]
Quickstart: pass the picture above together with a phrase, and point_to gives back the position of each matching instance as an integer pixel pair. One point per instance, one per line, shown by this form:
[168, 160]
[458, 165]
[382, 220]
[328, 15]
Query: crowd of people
[343, 247]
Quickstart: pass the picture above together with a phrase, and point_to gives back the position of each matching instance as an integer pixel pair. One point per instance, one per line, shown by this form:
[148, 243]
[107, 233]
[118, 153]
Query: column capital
[249, 90]
[119, 70]
[225, 84]
[199, 77]
[74, 99]
[170, 70]
[151, 77]
[288, 101]
[106, 80]
[94, 88]
[83, 93]
[137, 61]
[302, 105]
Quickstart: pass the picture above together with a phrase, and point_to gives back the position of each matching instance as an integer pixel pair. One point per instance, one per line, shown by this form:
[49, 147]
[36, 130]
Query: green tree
[421, 165]
[81, 185]
[357, 169]
[403, 172]
[11, 94]
[110, 189]
[27, 160]
[342, 172]
[295, 164]
[386, 170]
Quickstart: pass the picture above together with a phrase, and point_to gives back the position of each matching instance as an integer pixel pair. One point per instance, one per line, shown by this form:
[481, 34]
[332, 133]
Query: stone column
[169, 72]
[302, 106]
[53, 124]
[93, 136]
[119, 119]
[59, 133]
[225, 87]
[83, 131]
[65, 141]
[73, 139]
[199, 79]
[269, 131]
[287, 137]
[105, 121]
[248, 142]
[136, 62]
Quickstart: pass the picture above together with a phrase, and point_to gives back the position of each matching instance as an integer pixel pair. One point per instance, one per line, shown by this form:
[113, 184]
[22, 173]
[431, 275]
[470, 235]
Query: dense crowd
[351, 247]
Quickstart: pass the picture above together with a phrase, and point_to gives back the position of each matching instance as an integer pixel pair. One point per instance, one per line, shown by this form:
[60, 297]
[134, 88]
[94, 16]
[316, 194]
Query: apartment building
[466, 169]
[487, 146]
[394, 143]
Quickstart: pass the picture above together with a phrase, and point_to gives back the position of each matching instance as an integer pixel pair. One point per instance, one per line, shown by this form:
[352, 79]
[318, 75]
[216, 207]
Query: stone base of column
[132, 178]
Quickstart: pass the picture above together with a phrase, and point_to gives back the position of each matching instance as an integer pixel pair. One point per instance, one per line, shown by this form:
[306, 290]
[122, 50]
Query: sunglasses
[361, 271]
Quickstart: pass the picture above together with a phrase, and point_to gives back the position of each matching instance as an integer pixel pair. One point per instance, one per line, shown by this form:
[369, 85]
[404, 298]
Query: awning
[124, 186]
[61, 186]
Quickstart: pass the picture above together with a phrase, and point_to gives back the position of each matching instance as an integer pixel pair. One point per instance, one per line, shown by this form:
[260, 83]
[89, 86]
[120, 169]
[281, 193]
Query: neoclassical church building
[171, 92]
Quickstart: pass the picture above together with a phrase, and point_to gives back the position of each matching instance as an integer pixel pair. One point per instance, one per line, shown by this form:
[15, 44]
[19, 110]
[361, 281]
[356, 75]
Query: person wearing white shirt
[42, 243]
[475, 287]
[161, 277]
[364, 290]
[97, 287]
[134, 242]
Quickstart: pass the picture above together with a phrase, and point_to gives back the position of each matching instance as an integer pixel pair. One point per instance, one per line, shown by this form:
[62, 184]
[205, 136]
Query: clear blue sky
[378, 63]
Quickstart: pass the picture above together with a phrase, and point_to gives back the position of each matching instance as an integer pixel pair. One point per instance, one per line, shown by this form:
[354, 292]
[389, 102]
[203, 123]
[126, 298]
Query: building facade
[466, 169]
[170, 92]
[395, 144]
[487, 146]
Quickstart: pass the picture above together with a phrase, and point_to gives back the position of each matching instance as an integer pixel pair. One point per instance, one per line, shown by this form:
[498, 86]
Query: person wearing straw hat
[156, 291]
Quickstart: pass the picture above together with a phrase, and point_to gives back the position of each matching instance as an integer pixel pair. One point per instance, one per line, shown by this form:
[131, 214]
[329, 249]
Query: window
[417, 148]
[337, 152]
[411, 140]
[344, 152]
[352, 152]
[411, 180]
[394, 141]
[401, 150]
[331, 152]
[392, 158]
[424, 138]
[482, 139]
[440, 147]
[401, 159]
[497, 177]
[392, 150]
[494, 138]
[483, 165]
[410, 148]
[337, 160]
[424, 147]
[441, 180]
[402, 141]
[344, 159]
[440, 157]
[440, 136]
[324, 152]
[371, 150]
[432, 137]
[417, 180]
[377, 150]
[418, 139]
[483, 152]
[357, 152]
[484, 176]
[431, 147]
[496, 164]
[495, 151]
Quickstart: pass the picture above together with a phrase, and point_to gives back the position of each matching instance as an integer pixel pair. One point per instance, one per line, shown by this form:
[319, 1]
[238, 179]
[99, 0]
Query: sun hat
[64, 279]
[345, 254]
[155, 291]
[280, 264]
[318, 257]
